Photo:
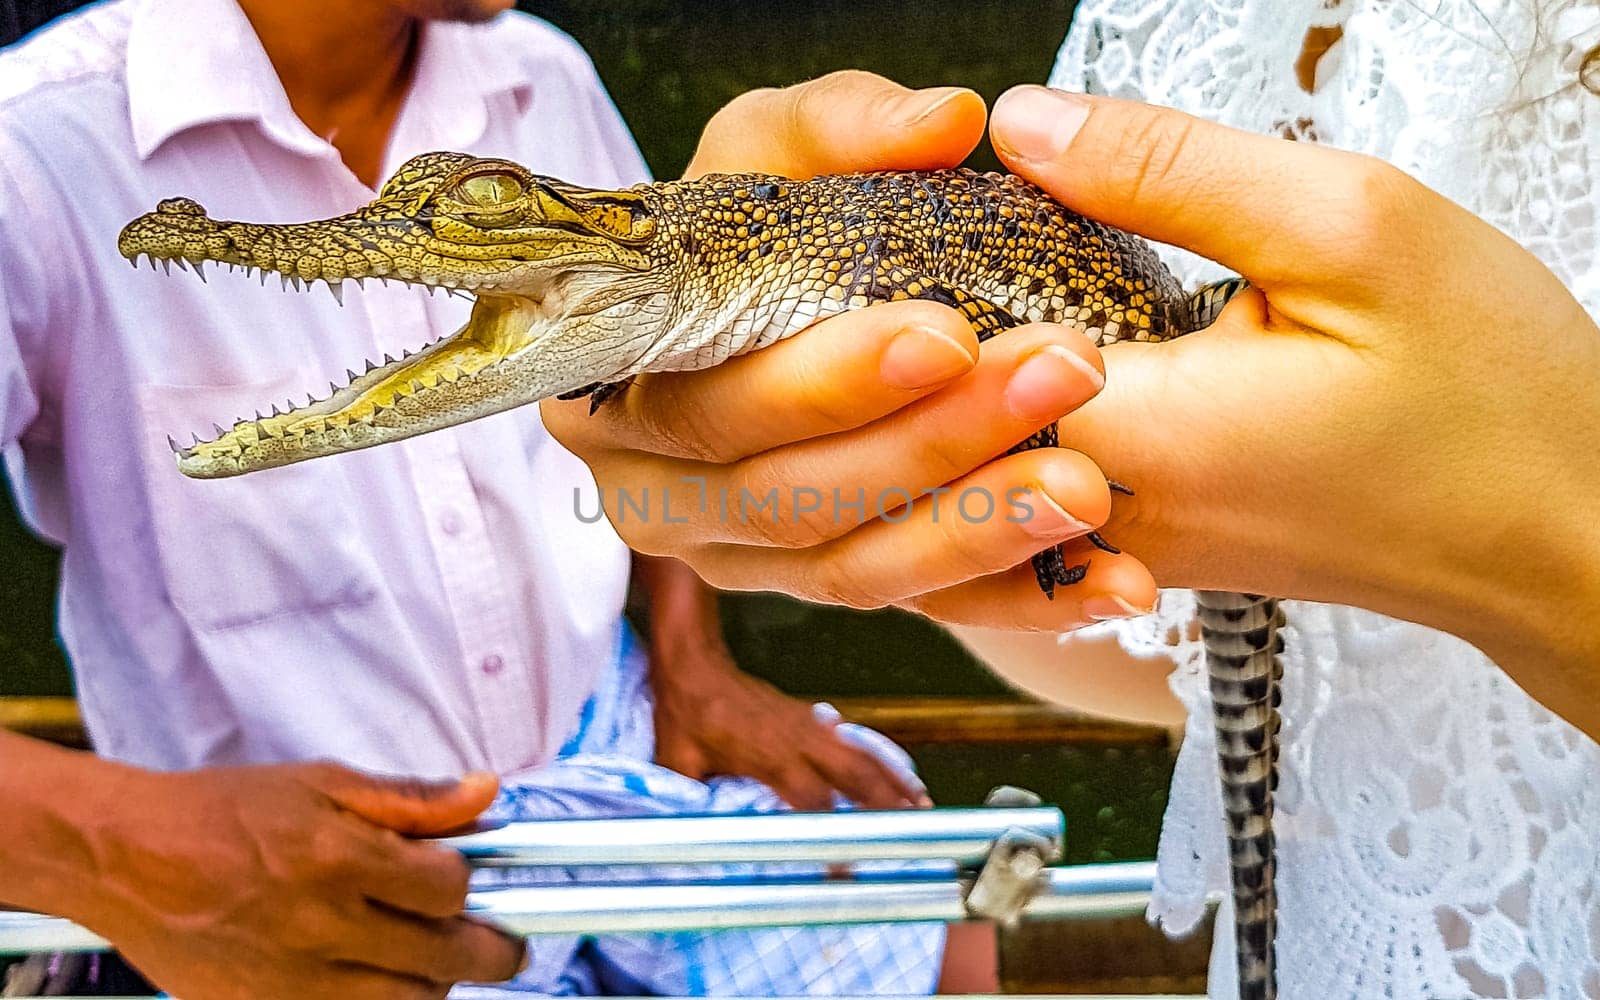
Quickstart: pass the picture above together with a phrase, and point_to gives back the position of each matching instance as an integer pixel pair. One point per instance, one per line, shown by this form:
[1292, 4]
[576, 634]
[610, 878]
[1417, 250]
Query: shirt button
[492, 664]
[450, 523]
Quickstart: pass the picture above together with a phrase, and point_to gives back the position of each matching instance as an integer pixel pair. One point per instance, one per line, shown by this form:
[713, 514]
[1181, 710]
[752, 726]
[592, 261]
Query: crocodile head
[561, 276]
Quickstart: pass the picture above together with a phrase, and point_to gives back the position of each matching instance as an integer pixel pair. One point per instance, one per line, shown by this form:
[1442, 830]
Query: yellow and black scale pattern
[993, 246]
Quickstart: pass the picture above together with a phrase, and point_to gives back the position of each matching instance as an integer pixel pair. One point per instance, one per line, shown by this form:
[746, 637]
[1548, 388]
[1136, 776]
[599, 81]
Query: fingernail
[1048, 519]
[1037, 123]
[1106, 607]
[918, 105]
[1050, 383]
[921, 356]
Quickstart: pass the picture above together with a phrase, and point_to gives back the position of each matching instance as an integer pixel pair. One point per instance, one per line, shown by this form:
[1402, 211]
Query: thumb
[1274, 210]
[840, 123]
[410, 806]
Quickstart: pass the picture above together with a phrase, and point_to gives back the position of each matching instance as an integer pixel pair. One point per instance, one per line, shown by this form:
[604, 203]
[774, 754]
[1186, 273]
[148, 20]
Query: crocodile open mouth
[459, 374]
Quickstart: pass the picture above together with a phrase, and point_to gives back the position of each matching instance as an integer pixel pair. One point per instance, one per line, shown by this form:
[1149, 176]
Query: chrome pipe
[33, 933]
[1086, 891]
[960, 835]
[1069, 893]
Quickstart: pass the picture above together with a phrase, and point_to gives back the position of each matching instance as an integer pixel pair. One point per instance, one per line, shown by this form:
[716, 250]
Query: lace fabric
[1439, 831]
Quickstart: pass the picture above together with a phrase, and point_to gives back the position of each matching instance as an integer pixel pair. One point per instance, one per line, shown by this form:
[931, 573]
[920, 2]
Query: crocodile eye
[490, 190]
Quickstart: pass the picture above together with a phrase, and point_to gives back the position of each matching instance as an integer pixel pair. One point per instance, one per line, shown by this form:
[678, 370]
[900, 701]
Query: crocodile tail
[1242, 644]
[1201, 307]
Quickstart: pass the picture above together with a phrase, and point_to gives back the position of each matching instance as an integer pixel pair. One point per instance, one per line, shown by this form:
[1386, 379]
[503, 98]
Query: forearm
[54, 800]
[683, 607]
[1090, 674]
[1538, 615]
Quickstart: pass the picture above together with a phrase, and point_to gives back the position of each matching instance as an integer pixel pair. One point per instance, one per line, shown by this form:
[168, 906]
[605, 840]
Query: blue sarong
[605, 770]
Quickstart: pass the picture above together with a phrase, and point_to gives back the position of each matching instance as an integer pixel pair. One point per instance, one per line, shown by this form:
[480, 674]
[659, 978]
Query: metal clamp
[1014, 873]
[1011, 878]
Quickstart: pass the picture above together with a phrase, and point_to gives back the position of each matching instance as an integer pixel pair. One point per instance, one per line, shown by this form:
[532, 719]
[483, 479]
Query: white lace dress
[1439, 831]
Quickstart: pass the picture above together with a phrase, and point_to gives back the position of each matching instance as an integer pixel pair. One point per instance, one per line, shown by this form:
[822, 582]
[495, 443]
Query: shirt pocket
[236, 551]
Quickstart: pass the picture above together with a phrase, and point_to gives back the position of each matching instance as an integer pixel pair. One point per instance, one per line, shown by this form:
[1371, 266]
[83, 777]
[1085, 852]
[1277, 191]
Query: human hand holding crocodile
[881, 398]
[269, 881]
[1346, 432]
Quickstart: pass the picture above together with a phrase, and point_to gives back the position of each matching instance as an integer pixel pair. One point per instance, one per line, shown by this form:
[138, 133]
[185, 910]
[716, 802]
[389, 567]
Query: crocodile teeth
[200, 270]
[166, 265]
[172, 442]
[336, 288]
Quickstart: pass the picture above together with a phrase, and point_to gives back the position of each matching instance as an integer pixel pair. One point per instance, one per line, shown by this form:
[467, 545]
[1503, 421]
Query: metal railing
[962, 836]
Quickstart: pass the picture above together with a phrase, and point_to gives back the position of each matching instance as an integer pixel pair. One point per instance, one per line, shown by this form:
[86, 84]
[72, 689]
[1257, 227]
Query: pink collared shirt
[425, 608]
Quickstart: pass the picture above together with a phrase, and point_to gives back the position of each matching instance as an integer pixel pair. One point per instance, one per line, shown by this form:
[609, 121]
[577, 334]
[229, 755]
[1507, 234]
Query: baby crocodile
[577, 290]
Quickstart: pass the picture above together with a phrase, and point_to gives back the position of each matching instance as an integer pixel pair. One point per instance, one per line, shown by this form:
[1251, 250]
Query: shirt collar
[459, 68]
[194, 62]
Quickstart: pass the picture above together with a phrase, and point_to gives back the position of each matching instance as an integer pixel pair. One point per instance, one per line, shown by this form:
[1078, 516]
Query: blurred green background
[669, 65]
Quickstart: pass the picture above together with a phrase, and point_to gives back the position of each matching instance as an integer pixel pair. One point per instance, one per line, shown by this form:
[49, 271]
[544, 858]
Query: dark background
[669, 64]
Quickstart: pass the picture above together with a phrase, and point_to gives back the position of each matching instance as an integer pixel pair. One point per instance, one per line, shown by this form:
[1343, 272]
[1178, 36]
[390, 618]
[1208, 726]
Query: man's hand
[888, 401]
[290, 881]
[714, 719]
[711, 718]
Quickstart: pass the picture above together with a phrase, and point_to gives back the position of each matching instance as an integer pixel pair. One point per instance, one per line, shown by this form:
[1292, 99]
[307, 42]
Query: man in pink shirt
[430, 610]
